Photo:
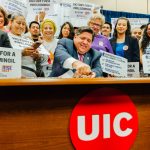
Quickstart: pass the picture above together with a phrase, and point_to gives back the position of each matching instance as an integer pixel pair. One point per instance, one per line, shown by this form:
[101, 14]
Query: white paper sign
[22, 42]
[146, 63]
[81, 12]
[14, 6]
[114, 65]
[66, 10]
[50, 7]
[10, 63]
[133, 70]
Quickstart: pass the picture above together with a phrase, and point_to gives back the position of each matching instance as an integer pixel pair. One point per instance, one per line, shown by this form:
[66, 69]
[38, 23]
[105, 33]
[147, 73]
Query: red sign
[105, 119]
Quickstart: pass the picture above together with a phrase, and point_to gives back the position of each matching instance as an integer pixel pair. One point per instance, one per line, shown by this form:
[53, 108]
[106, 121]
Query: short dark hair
[85, 29]
[35, 22]
[142, 27]
[106, 22]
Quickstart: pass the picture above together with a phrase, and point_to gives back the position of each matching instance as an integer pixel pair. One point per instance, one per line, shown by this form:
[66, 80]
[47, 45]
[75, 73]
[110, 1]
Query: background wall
[135, 6]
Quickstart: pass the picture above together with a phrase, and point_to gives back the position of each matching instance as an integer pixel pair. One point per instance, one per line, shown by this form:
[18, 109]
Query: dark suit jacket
[132, 54]
[4, 40]
[66, 49]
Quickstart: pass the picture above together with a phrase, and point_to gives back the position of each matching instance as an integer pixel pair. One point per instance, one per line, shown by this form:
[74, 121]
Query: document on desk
[68, 74]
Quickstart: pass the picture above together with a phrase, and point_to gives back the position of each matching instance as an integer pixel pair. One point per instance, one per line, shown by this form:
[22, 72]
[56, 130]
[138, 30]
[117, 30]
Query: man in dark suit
[77, 55]
[4, 40]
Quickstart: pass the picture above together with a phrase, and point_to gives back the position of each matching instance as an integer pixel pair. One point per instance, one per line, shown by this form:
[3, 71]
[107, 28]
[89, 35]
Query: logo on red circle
[105, 119]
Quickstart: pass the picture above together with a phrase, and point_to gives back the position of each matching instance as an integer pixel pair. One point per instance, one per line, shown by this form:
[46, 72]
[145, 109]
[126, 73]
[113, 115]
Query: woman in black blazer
[122, 43]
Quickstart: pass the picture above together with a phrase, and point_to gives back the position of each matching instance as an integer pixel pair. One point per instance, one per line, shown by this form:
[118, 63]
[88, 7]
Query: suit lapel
[87, 58]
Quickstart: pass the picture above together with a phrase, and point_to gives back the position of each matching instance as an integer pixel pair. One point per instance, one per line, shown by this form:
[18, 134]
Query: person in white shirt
[29, 54]
[48, 30]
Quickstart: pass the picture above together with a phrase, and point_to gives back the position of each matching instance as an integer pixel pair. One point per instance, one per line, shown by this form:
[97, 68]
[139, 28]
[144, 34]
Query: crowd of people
[77, 49]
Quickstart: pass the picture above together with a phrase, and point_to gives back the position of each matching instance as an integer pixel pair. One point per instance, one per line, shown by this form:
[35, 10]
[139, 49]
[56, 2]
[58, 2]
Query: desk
[34, 113]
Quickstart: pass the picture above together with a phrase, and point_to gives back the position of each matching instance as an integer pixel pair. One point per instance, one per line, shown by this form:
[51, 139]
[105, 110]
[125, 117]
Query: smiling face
[48, 31]
[137, 33]
[83, 42]
[121, 26]
[34, 29]
[148, 30]
[95, 25]
[1, 20]
[106, 30]
[66, 31]
[18, 25]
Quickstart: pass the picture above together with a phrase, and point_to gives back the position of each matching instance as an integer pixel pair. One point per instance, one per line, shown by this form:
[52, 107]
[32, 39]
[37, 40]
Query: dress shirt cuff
[68, 63]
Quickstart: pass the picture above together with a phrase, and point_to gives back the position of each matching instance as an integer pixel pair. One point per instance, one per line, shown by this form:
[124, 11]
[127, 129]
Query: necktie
[81, 57]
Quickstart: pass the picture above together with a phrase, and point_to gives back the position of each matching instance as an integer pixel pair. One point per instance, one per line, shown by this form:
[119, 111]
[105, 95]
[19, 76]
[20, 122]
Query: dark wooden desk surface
[73, 81]
[34, 113]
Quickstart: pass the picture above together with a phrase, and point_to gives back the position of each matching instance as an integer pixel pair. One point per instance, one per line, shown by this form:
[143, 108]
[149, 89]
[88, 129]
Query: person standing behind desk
[66, 31]
[77, 54]
[34, 31]
[100, 42]
[106, 29]
[48, 30]
[30, 55]
[123, 43]
[145, 46]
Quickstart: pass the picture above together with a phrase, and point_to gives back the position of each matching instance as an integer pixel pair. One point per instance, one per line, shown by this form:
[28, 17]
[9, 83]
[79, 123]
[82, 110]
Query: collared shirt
[101, 43]
[68, 62]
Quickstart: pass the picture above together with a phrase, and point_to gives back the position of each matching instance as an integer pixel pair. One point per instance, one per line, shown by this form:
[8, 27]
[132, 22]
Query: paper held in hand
[22, 42]
[146, 63]
[114, 65]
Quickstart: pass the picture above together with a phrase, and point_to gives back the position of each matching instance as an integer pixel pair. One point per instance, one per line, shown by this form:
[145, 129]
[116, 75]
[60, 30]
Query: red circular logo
[105, 119]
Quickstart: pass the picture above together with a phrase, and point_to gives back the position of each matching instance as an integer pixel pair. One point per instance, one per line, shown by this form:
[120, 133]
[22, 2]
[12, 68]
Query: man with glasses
[100, 43]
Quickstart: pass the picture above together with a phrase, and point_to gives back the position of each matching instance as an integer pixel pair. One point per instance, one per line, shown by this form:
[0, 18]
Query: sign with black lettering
[14, 6]
[114, 65]
[146, 63]
[22, 42]
[133, 70]
[10, 63]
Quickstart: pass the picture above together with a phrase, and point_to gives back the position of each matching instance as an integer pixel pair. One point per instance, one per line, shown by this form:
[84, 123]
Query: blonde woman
[100, 42]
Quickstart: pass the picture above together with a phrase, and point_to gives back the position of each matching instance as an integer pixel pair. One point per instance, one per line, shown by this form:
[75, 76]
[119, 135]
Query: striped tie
[81, 57]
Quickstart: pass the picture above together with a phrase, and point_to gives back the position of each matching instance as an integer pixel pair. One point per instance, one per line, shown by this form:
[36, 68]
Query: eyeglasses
[95, 24]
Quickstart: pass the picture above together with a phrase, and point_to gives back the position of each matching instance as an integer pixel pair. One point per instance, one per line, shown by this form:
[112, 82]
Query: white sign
[81, 12]
[14, 6]
[133, 70]
[114, 65]
[146, 63]
[66, 10]
[50, 7]
[10, 63]
[22, 42]
[19, 42]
